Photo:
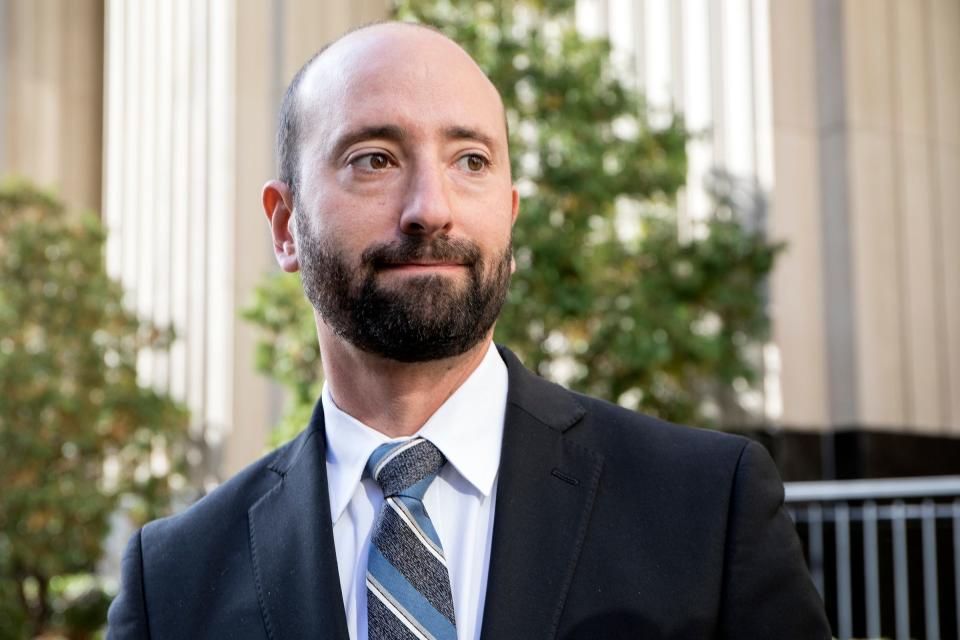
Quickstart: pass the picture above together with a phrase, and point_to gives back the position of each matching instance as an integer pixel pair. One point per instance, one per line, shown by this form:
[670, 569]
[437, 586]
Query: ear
[278, 205]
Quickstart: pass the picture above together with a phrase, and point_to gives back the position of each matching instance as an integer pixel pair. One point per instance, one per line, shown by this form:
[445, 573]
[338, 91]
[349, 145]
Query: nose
[427, 210]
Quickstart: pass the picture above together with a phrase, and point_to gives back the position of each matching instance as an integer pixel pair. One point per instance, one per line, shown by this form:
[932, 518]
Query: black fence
[884, 554]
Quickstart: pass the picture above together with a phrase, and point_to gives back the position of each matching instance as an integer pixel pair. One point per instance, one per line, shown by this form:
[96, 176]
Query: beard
[418, 319]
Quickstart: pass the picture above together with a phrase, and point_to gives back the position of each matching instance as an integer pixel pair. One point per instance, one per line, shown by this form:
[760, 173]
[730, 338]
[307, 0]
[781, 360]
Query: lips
[418, 255]
[420, 265]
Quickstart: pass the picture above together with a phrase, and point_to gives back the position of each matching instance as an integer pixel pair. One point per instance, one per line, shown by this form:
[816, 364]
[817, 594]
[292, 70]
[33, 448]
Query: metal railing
[874, 564]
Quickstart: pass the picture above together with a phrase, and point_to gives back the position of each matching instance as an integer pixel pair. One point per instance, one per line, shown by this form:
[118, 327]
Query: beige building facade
[866, 116]
[192, 92]
[845, 115]
[51, 95]
[161, 114]
[842, 116]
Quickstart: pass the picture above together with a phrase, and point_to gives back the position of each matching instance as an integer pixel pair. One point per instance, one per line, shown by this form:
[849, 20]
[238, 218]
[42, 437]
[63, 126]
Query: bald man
[440, 489]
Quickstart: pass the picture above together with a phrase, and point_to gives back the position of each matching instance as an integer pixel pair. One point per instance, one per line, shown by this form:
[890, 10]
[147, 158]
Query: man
[519, 510]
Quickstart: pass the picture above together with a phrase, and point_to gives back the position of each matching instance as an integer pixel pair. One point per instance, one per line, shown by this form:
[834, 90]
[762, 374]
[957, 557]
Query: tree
[77, 433]
[607, 297]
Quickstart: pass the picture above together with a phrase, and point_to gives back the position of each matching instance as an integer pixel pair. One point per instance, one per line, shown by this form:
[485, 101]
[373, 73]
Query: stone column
[51, 80]
[193, 89]
[866, 117]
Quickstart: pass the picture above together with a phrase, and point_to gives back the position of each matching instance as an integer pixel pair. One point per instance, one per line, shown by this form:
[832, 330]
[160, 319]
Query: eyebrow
[375, 132]
[397, 134]
[466, 133]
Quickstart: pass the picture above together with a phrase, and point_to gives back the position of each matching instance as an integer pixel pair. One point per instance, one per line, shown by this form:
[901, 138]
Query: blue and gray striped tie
[408, 585]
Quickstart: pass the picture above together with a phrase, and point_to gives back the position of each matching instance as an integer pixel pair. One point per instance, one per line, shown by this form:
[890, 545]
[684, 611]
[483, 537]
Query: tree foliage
[77, 432]
[607, 297]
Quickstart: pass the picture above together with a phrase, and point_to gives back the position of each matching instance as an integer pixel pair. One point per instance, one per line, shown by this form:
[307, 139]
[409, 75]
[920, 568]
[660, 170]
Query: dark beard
[423, 318]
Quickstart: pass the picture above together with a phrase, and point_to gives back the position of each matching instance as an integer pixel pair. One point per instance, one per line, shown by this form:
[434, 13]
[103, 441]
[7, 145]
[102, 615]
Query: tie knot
[405, 468]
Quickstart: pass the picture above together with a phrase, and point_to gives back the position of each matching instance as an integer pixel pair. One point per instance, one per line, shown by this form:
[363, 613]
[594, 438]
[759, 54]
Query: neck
[395, 398]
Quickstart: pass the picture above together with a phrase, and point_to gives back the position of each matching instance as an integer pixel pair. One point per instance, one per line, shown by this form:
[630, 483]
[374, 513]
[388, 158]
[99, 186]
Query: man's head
[395, 199]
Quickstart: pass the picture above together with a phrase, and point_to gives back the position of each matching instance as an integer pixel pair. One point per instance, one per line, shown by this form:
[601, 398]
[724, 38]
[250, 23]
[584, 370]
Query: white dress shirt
[468, 430]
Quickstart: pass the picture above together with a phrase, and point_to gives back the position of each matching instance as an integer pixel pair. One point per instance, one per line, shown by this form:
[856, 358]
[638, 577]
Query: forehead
[398, 75]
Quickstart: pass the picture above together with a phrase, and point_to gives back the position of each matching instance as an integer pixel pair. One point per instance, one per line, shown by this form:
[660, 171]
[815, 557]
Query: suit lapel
[291, 545]
[545, 493]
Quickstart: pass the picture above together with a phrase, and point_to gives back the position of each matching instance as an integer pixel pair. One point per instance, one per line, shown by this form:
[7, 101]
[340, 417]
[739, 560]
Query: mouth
[412, 257]
[421, 267]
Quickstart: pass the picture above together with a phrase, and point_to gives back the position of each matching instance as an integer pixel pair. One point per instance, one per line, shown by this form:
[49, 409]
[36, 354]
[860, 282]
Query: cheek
[340, 214]
[371, 206]
[495, 218]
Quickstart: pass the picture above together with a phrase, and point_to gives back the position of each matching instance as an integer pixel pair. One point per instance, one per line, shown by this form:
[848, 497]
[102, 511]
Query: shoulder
[623, 432]
[699, 469]
[221, 515]
[195, 568]
[624, 438]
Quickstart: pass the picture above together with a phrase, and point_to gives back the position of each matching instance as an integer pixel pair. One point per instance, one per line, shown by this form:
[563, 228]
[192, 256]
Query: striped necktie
[408, 585]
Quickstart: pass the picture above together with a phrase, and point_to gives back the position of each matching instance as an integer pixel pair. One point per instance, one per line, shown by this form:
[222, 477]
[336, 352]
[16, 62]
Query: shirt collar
[467, 428]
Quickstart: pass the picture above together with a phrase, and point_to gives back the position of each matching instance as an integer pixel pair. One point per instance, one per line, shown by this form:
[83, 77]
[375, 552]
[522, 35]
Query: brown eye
[473, 163]
[372, 162]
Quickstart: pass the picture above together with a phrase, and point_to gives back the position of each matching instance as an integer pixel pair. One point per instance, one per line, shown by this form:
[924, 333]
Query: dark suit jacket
[609, 524]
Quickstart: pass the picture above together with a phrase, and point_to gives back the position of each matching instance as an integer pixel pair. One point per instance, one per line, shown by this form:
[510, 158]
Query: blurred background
[736, 214]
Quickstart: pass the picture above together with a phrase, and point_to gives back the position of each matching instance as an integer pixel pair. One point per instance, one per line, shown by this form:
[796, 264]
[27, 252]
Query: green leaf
[74, 424]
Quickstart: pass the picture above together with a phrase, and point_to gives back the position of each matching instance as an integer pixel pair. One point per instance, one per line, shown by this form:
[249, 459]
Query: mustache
[414, 249]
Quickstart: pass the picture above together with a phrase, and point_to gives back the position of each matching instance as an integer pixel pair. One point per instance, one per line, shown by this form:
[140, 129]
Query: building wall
[192, 91]
[708, 60]
[844, 116]
[51, 83]
[866, 117]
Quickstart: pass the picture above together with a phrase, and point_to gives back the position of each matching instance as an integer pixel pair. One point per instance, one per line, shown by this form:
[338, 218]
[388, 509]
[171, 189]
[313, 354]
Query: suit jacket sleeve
[127, 617]
[766, 586]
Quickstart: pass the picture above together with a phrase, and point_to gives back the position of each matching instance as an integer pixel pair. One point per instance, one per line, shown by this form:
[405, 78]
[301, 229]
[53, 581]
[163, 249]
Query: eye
[473, 163]
[372, 162]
